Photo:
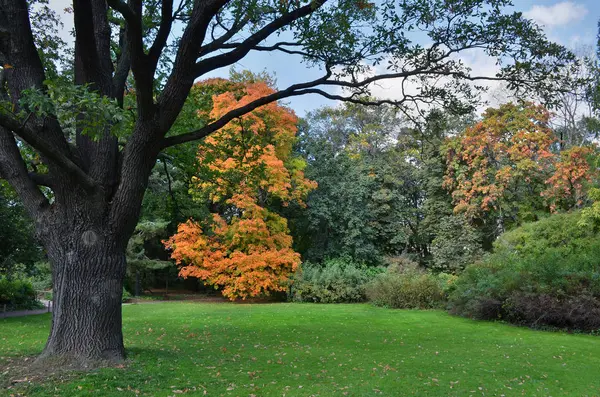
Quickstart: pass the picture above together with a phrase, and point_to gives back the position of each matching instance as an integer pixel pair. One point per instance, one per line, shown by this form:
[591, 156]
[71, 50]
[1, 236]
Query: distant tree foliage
[17, 242]
[543, 273]
[367, 203]
[505, 167]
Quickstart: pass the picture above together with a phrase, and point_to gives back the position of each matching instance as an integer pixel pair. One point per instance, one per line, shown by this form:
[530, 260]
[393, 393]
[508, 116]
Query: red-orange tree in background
[246, 250]
[508, 165]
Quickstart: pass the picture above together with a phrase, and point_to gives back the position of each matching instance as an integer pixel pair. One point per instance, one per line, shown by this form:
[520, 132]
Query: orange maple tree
[246, 249]
[508, 161]
[573, 176]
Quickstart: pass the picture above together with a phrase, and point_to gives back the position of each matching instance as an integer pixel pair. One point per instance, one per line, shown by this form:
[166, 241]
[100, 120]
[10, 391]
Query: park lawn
[222, 349]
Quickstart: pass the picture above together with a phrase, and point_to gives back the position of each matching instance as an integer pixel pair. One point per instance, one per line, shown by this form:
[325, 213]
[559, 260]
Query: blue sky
[573, 23]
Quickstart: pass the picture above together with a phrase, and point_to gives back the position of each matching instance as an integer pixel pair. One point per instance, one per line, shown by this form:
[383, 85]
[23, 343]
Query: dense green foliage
[144, 253]
[457, 243]
[334, 281]
[17, 243]
[302, 349]
[17, 294]
[367, 202]
[541, 274]
[126, 295]
[410, 289]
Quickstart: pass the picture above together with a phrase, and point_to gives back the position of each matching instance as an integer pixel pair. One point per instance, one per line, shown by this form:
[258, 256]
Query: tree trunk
[88, 269]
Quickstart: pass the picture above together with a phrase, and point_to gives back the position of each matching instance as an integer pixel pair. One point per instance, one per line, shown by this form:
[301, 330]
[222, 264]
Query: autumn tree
[574, 172]
[506, 167]
[99, 152]
[242, 167]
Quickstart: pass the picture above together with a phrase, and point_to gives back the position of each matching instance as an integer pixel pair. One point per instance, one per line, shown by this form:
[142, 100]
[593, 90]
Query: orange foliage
[509, 153]
[572, 175]
[248, 250]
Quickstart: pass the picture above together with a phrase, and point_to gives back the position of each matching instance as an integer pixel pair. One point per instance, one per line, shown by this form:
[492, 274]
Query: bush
[409, 289]
[541, 274]
[401, 264]
[42, 277]
[581, 311]
[126, 296]
[456, 245]
[335, 281]
[17, 294]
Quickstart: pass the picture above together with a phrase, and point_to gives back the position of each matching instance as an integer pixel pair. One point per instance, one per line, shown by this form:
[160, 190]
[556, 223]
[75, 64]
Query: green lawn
[319, 350]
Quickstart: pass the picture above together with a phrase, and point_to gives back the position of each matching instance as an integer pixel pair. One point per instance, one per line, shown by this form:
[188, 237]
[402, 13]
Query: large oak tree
[86, 198]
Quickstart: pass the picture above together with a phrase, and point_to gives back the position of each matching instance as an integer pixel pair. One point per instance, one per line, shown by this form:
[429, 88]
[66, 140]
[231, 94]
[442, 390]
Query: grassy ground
[219, 349]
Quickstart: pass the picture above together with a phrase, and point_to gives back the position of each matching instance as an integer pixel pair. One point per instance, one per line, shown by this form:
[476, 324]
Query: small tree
[138, 262]
[247, 249]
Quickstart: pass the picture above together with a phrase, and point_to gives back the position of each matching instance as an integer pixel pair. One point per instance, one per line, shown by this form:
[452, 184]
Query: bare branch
[281, 46]
[219, 43]
[357, 97]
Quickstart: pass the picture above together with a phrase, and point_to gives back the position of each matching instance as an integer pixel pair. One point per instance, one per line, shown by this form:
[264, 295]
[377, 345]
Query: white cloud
[558, 14]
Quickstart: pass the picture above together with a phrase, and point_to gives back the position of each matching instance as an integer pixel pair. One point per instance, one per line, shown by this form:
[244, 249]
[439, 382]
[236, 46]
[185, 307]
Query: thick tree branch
[92, 46]
[219, 43]
[129, 14]
[93, 67]
[164, 29]
[36, 141]
[219, 61]
[122, 69]
[13, 169]
[143, 71]
[210, 128]
[26, 69]
[41, 179]
[181, 79]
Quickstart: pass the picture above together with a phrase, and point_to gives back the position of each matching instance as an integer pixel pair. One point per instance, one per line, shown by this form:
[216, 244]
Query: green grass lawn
[318, 350]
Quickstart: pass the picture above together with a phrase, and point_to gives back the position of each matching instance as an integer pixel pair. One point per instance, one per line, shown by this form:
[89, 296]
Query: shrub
[581, 311]
[335, 281]
[126, 296]
[410, 289]
[42, 277]
[17, 294]
[541, 274]
[456, 245]
[401, 264]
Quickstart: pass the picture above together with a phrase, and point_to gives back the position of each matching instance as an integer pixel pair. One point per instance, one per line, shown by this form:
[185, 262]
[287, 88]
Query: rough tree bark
[88, 268]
